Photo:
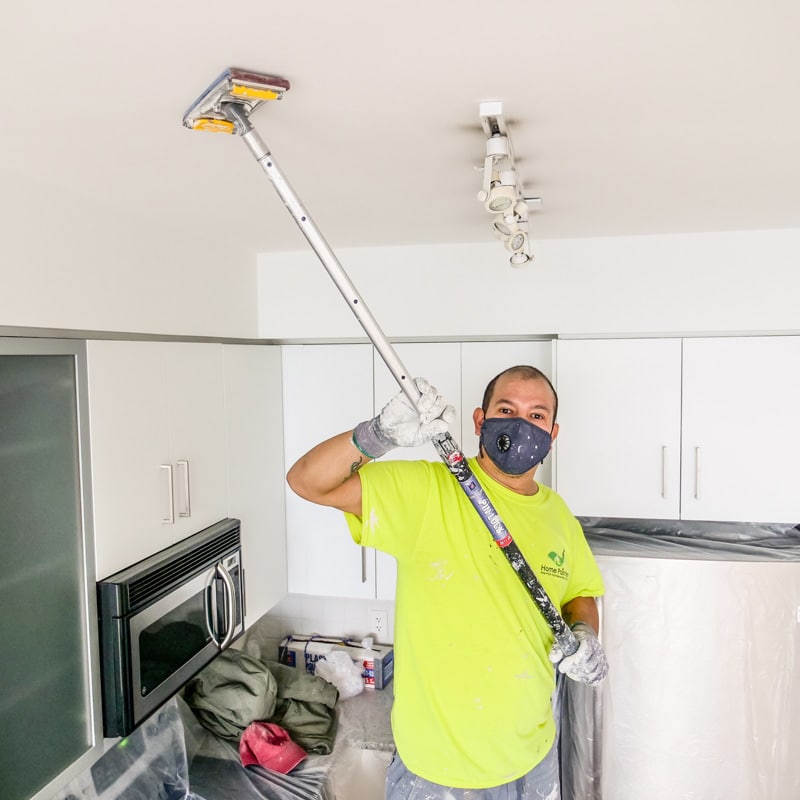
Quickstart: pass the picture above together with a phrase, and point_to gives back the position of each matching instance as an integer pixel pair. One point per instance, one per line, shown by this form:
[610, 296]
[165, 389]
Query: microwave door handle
[210, 602]
[230, 591]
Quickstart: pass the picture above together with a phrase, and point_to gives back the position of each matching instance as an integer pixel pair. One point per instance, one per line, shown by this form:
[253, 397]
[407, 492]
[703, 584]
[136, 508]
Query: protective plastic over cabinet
[702, 631]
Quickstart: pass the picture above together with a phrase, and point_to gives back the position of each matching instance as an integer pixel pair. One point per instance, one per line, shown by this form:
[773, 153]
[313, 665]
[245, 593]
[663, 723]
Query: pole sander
[226, 107]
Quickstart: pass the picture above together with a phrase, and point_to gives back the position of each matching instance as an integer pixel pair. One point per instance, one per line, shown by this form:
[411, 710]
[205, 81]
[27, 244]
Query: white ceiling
[627, 117]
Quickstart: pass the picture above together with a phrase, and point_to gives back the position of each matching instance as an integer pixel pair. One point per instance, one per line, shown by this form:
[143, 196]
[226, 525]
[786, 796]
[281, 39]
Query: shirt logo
[557, 568]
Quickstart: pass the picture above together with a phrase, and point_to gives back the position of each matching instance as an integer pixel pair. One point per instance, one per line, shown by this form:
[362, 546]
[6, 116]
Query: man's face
[529, 398]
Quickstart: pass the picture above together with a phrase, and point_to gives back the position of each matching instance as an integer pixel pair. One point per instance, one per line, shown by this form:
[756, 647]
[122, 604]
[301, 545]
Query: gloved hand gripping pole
[445, 445]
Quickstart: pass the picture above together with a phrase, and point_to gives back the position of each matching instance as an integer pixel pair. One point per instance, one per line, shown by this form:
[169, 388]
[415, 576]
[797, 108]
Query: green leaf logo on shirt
[557, 559]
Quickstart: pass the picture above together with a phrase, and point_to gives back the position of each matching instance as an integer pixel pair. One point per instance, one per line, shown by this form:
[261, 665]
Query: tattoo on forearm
[355, 467]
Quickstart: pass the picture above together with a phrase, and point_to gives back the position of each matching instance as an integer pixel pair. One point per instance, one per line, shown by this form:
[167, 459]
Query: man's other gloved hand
[401, 425]
[588, 664]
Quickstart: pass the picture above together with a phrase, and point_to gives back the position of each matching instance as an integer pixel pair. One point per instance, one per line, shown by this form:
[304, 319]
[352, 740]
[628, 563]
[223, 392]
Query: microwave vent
[178, 569]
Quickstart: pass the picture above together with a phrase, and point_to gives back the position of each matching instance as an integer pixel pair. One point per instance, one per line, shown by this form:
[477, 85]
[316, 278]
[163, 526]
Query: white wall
[74, 262]
[694, 283]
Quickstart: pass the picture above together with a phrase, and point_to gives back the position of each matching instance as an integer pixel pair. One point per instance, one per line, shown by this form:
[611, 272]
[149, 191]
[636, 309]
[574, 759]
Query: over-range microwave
[165, 618]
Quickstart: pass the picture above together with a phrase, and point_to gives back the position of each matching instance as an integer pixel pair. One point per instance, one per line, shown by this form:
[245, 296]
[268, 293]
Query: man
[472, 715]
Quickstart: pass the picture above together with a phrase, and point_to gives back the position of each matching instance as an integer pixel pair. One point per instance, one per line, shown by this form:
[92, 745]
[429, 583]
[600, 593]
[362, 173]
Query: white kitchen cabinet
[618, 449]
[157, 426]
[741, 430]
[699, 428]
[254, 433]
[327, 389]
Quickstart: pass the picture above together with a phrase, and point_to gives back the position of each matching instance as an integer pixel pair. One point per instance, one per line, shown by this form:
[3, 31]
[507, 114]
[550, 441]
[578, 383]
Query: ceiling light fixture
[501, 197]
[501, 192]
[503, 227]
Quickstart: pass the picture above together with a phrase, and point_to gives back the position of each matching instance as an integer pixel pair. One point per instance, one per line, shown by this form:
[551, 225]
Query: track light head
[504, 225]
[501, 198]
[516, 242]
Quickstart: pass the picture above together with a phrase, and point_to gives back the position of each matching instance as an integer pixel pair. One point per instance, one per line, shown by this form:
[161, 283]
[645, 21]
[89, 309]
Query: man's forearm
[582, 609]
[324, 475]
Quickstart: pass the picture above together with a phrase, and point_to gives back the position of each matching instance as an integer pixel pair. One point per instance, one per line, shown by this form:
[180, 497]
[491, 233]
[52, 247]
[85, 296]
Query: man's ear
[554, 432]
[478, 417]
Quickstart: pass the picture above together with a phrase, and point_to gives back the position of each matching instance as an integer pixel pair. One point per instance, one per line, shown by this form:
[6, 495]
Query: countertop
[365, 720]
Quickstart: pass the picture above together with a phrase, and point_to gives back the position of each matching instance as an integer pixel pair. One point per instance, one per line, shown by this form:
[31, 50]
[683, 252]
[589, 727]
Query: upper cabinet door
[327, 389]
[196, 391]
[157, 422]
[254, 424]
[618, 449]
[130, 453]
[741, 434]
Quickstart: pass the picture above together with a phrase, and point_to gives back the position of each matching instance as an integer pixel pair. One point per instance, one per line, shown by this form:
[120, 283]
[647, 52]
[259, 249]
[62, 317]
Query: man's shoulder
[407, 468]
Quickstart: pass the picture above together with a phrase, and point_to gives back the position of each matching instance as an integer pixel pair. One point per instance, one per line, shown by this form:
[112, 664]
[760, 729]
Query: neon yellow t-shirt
[473, 683]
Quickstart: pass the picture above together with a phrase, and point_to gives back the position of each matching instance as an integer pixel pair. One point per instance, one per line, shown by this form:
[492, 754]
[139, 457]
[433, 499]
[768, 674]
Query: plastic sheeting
[740, 541]
[357, 765]
[216, 772]
[578, 712]
[150, 763]
[172, 756]
[701, 624]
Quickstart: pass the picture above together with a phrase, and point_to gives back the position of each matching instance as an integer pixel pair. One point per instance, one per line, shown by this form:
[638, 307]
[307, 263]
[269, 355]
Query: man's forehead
[510, 386]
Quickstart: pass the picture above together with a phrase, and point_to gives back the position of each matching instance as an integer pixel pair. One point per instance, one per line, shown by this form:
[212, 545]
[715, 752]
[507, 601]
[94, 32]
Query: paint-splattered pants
[541, 783]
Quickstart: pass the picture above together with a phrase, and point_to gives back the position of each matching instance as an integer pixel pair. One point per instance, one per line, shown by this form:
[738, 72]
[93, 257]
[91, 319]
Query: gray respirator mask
[514, 444]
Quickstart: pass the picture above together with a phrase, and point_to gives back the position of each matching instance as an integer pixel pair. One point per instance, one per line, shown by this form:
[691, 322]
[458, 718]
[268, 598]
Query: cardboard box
[376, 662]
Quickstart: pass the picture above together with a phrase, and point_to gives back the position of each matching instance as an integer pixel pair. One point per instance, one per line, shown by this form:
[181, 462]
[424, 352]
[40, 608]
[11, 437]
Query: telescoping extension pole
[445, 445]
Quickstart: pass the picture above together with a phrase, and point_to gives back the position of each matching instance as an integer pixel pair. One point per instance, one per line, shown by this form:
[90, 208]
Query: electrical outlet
[378, 623]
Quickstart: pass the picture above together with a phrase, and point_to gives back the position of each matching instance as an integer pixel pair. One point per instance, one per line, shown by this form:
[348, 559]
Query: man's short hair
[526, 372]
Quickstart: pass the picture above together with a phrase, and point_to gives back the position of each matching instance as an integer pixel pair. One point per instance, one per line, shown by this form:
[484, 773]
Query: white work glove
[402, 425]
[588, 664]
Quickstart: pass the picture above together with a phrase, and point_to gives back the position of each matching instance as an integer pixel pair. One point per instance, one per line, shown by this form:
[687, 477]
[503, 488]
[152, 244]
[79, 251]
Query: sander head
[247, 89]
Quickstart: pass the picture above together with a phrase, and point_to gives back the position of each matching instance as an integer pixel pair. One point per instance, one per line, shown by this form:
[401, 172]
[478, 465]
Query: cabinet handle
[169, 517]
[697, 473]
[664, 471]
[363, 565]
[185, 507]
